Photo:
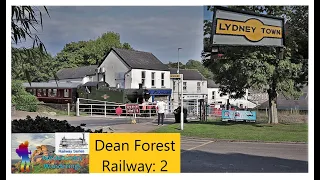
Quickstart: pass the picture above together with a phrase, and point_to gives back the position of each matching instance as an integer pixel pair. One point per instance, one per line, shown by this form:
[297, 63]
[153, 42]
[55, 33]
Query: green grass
[294, 132]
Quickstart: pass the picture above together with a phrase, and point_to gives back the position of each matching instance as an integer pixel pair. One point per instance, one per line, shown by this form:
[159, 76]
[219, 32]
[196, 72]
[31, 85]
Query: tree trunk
[273, 112]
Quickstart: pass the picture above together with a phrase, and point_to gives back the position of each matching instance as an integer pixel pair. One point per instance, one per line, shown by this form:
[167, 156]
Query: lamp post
[178, 72]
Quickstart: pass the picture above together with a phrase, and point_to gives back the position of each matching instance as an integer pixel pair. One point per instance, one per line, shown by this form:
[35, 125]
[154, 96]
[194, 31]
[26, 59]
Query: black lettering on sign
[247, 28]
[221, 27]
[228, 26]
[235, 27]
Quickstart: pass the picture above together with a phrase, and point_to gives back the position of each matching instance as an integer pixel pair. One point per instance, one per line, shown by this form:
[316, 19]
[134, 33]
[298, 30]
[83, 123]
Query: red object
[119, 111]
[132, 108]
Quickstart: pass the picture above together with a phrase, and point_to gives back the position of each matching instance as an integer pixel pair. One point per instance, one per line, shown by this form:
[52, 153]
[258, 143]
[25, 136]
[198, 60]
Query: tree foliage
[25, 23]
[21, 60]
[193, 64]
[23, 100]
[90, 52]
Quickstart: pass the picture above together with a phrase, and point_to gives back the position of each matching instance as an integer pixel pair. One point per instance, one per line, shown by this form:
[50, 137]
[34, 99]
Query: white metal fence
[105, 108]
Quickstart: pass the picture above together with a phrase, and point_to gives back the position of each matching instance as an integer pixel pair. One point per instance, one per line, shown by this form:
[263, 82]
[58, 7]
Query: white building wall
[136, 76]
[115, 70]
[223, 99]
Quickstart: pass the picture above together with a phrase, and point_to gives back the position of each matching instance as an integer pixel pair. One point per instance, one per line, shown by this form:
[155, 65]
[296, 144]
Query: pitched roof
[212, 84]
[140, 60]
[77, 72]
[188, 74]
[51, 85]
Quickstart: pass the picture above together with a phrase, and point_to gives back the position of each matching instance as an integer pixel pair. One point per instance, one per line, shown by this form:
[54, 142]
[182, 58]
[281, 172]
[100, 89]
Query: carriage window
[52, 92]
[44, 92]
[39, 92]
[34, 91]
[66, 93]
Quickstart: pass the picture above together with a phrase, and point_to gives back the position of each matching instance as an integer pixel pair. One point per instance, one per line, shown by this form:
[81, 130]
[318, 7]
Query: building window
[143, 77]
[153, 79]
[184, 86]
[162, 79]
[198, 87]
[213, 94]
[66, 93]
[174, 86]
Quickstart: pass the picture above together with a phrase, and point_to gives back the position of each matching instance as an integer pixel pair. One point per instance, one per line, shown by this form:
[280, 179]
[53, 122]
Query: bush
[23, 100]
[45, 125]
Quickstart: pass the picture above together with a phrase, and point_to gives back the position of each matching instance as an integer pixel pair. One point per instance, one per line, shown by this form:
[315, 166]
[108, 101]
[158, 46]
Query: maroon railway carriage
[51, 92]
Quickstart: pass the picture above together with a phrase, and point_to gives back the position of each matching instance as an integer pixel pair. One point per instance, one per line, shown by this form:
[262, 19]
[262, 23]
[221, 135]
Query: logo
[24, 152]
[253, 29]
[71, 143]
[105, 96]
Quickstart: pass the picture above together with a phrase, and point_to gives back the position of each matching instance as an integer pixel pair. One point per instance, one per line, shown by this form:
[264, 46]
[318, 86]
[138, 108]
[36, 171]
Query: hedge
[46, 125]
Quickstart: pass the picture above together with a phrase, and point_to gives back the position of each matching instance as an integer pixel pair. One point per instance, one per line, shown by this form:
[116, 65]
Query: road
[207, 156]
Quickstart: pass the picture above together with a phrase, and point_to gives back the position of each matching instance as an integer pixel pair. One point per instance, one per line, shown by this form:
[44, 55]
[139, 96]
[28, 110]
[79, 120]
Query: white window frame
[213, 94]
[185, 86]
[162, 80]
[198, 87]
[143, 79]
[153, 79]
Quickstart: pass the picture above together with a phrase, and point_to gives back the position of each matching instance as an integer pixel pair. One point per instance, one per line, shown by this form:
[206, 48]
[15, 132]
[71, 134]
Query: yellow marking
[197, 146]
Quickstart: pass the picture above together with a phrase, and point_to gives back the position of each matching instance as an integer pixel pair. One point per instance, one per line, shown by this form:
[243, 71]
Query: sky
[207, 15]
[159, 30]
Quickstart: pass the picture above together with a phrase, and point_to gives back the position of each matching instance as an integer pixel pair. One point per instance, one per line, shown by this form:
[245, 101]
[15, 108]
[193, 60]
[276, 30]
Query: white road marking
[195, 147]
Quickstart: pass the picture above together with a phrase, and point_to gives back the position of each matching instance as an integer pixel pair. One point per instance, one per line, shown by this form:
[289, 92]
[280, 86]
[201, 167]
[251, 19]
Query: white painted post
[181, 118]
[197, 107]
[68, 109]
[91, 109]
[77, 107]
[105, 109]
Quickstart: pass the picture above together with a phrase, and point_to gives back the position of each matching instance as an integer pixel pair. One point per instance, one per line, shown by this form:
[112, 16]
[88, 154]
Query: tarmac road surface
[205, 156]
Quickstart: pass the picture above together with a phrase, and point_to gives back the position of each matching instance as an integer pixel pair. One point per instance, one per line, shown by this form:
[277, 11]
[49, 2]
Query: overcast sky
[160, 30]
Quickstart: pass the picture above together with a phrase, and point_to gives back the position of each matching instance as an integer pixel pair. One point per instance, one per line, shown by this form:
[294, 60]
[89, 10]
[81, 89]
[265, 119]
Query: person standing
[161, 108]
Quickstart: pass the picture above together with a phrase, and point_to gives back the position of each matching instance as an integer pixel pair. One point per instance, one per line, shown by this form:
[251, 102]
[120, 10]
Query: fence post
[77, 107]
[105, 109]
[91, 109]
[68, 109]
[266, 111]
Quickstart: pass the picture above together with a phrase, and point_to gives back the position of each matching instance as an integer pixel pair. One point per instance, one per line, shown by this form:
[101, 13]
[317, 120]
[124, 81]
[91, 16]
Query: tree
[90, 52]
[24, 25]
[259, 68]
[20, 61]
[23, 100]
[192, 64]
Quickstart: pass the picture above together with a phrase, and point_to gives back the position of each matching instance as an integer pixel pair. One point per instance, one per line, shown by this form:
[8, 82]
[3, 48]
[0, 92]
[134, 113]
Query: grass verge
[294, 132]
